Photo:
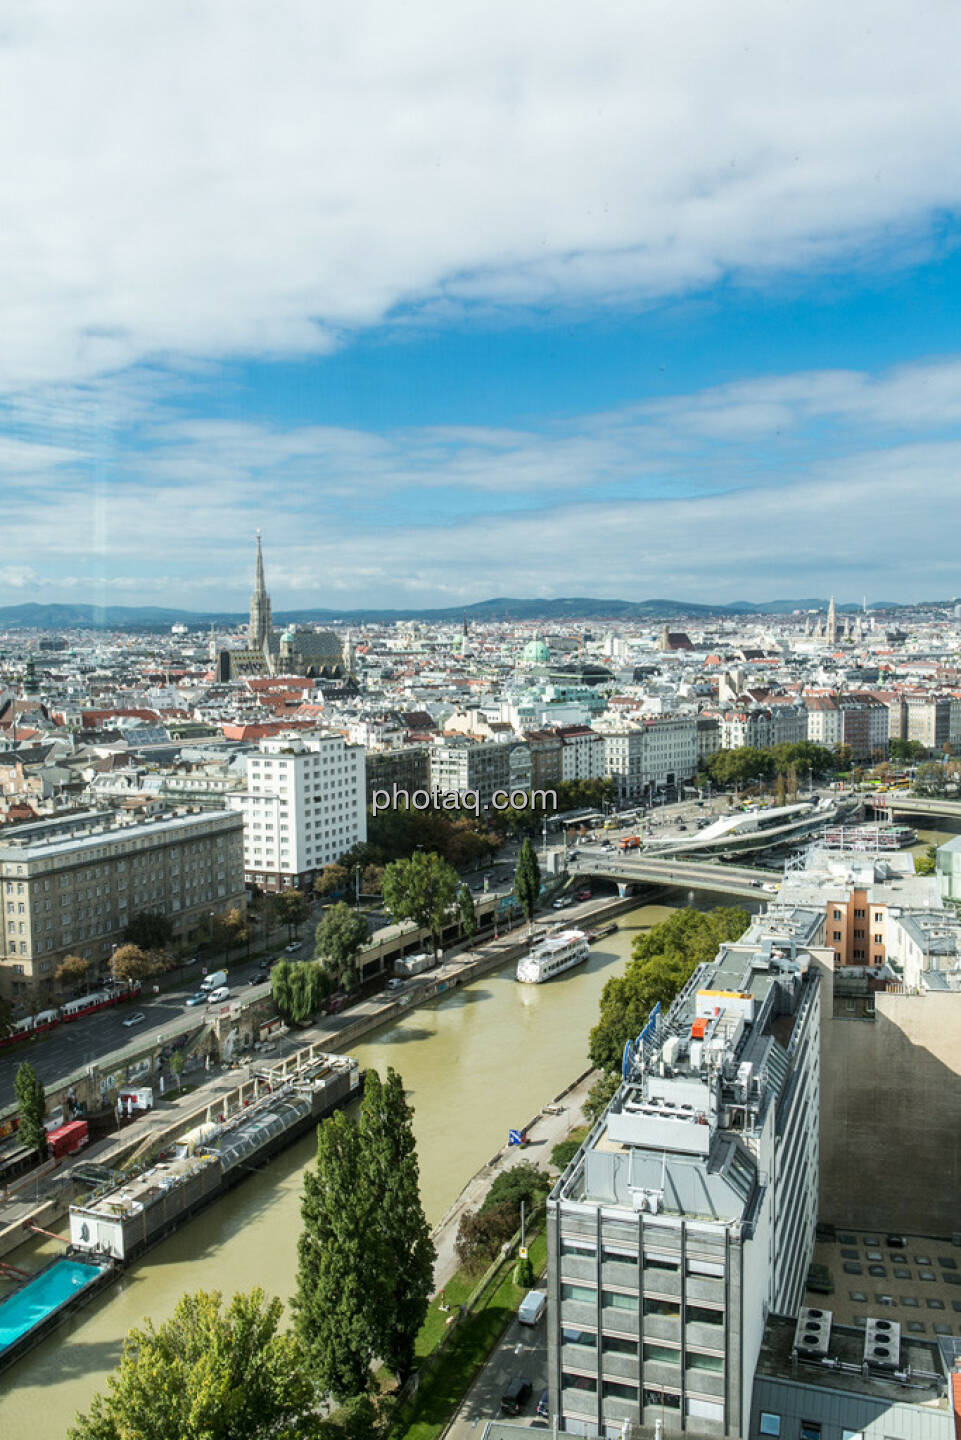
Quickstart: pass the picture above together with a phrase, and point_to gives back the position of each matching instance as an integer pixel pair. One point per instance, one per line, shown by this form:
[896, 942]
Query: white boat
[552, 956]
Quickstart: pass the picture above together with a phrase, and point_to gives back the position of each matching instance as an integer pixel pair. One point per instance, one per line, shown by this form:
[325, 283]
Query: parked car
[532, 1307]
[516, 1395]
[135, 1019]
[197, 999]
[395, 982]
[293, 947]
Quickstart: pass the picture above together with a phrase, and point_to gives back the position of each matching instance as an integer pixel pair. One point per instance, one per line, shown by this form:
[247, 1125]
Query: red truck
[67, 1139]
[630, 842]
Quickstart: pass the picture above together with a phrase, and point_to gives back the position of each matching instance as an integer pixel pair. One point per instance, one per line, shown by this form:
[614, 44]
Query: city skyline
[555, 314]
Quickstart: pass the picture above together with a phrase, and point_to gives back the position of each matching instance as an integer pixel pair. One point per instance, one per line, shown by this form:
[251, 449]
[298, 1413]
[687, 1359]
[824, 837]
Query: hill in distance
[151, 617]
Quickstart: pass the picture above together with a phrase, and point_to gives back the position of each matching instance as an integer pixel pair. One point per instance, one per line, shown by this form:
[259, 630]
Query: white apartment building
[824, 721]
[305, 804]
[656, 751]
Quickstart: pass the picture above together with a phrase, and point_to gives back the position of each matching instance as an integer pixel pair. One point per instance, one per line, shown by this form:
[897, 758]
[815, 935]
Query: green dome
[535, 652]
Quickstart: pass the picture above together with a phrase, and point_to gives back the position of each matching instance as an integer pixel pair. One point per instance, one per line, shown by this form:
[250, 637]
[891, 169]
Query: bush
[481, 1233]
[524, 1274]
[522, 1182]
[565, 1150]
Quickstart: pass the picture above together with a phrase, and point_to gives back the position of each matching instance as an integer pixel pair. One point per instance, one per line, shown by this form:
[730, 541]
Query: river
[475, 1063]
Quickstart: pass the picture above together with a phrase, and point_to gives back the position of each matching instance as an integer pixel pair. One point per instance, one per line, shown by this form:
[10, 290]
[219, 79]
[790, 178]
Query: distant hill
[154, 617]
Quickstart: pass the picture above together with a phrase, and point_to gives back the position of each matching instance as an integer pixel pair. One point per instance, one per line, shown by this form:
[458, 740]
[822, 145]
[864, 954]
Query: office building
[305, 804]
[689, 1213]
[70, 886]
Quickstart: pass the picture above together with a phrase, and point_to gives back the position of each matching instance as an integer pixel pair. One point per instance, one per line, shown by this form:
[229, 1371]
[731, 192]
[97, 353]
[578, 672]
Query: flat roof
[928, 1383]
[917, 1284]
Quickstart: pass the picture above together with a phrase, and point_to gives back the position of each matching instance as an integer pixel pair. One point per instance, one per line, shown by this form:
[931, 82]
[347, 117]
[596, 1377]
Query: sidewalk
[553, 1124]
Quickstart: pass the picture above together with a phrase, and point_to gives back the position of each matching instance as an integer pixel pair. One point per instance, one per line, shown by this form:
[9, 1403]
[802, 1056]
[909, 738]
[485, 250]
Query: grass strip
[443, 1389]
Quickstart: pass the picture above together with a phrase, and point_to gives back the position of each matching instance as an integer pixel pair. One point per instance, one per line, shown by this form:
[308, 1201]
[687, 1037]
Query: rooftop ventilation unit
[813, 1333]
[882, 1344]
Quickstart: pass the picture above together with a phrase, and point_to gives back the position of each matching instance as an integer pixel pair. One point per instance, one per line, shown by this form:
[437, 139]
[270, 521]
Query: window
[668, 1308]
[614, 1300]
[661, 1354]
[697, 1361]
[837, 935]
[656, 1260]
[618, 1345]
[615, 1390]
[663, 1399]
[582, 1293]
[770, 1424]
[701, 1315]
[572, 1336]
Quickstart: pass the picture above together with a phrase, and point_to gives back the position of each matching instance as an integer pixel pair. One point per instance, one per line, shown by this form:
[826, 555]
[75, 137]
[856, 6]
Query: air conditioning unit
[813, 1333]
[882, 1344]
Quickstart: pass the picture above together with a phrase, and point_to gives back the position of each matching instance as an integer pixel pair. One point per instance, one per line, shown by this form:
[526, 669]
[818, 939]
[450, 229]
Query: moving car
[135, 1019]
[197, 999]
[216, 996]
[292, 947]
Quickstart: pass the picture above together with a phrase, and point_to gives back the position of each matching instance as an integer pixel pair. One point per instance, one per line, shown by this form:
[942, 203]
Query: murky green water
[475, 1063]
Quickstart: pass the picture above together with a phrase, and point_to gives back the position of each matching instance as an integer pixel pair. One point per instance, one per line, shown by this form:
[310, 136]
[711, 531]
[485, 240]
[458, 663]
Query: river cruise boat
[553, 955]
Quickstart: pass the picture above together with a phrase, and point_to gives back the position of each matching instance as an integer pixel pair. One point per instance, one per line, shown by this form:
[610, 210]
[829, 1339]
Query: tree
[128, 962]
[467, 913]
[421, 889]
[929, 779]
[524, 1182]
[31, 1108]
[207, 1373]
[6, 1015]
[149, 930]
[524, 1274]
[406, 1250]
[229, 930]
[663, 960]
[72, 970]
[177, 1065]
[340, 936]
[291, 909]
[927, 863]
[338, 1265]
[372, 880]
[299, 989]
[481, 1233]
[905, 750]
[332, 880]
[600, 1095]
[527, 879]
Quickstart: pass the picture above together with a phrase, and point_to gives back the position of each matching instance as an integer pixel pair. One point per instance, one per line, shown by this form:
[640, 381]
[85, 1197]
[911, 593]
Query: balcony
[620, 1367]
[579, 1267]
[579, 1315]
[621, 1273]
[709, 1383]
[705, 1287]
[663, 1327]
[622, 1322]
[706, 1337]
[667, 1283]
[582, 1357]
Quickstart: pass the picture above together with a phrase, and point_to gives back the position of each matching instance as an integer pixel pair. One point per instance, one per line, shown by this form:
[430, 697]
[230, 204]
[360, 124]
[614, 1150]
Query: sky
[454, 302]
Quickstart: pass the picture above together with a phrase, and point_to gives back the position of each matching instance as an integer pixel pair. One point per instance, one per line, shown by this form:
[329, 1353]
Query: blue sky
[645, 301]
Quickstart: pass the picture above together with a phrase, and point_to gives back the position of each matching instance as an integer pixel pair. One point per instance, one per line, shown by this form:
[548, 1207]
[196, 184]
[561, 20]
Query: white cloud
[206, 180]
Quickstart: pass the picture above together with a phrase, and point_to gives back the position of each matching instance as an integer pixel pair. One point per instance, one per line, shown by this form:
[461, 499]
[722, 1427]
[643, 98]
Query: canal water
[475, 1063]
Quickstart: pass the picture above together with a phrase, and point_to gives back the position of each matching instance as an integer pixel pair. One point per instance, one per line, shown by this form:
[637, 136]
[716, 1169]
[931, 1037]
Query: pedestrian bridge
[632, 867]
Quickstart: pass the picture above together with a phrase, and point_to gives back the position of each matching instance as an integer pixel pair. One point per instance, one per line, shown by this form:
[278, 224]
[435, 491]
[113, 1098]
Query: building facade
[462, 766]
[305, 804]
[656, 752]
[689, 1213]
[71, 886]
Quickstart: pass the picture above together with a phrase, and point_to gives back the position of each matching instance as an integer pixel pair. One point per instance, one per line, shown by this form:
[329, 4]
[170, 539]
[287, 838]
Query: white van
[214, 981]
[216, 996]
[532, 1307]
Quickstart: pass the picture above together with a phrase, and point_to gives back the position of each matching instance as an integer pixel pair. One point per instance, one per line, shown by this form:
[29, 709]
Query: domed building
[535, 652]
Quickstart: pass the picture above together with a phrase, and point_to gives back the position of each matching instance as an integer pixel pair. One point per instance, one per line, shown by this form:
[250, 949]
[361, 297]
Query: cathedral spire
[260, 629]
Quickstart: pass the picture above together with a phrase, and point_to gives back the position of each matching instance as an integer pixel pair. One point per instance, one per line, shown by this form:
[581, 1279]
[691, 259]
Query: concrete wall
[891, 1115]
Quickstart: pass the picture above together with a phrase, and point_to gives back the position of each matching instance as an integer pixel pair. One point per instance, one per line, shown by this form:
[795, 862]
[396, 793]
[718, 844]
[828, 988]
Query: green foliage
[748, 765]
[6, 1015]
[481, 1233]
[229, 930]
[365, 1254]
[290, 909]
[149, 930]
[177, 1065]
[467, 913]
[206, 1374]
[600, 1095]
[337, 1275]
[527, 879]
[394, 834]
[421, 889]
[929, 779]
[31, 1108]
[129, 962]
[332, 880]
[340, 936]
[926, 864]
[524, 1274]
[300, 989]
[565, 1150]
[405, 1249]
[662, 962]
[521, 1182]
[905, 750]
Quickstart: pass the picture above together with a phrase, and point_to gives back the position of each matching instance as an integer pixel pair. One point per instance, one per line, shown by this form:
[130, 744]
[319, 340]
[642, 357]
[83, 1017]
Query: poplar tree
[337, 1281]
[405, 1250]
[527, 879]
[31, 1108]
[467, 913]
